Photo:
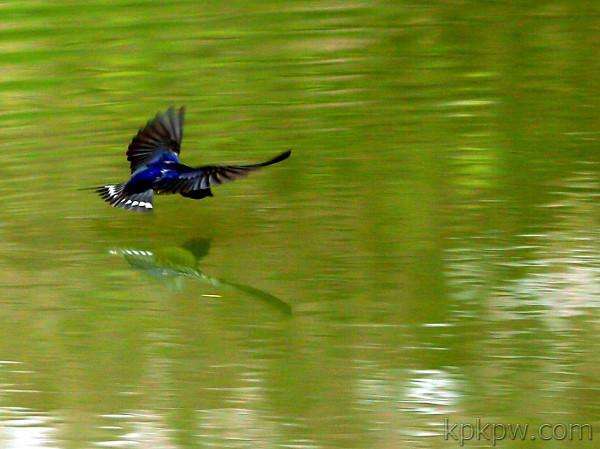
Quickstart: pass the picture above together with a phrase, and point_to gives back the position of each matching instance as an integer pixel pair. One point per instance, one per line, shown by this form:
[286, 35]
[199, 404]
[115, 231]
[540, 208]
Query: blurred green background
[430, 251]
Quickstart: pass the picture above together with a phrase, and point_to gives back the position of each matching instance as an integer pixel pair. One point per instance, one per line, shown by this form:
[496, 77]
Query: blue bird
[153, 155]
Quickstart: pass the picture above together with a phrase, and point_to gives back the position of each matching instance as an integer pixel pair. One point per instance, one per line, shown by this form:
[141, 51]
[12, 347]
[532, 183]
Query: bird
[153, 156]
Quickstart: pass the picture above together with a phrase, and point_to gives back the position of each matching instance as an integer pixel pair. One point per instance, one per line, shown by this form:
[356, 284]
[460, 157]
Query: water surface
[429, 252]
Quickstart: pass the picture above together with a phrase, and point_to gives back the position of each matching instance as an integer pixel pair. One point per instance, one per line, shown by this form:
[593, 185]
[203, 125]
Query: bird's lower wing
[211, 175]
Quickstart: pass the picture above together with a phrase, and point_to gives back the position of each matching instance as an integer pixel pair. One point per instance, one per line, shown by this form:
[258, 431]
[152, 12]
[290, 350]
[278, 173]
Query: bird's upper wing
[205, 177]
[163, 133]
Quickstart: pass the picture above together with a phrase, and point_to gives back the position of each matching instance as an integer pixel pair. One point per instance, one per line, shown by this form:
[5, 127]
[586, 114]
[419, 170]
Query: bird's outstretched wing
[207, 176]
[161, 134]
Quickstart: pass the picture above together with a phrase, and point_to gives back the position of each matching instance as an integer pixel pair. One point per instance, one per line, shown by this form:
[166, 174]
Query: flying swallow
[153, 156]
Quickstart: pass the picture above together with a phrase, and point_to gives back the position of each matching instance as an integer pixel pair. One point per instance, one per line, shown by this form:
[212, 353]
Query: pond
[428, 256]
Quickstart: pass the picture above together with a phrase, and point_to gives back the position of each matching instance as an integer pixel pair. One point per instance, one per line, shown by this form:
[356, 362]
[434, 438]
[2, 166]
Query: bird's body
[155, 167]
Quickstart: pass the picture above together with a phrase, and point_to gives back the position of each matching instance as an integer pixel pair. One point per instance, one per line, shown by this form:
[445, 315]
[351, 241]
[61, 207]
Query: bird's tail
[115, 195]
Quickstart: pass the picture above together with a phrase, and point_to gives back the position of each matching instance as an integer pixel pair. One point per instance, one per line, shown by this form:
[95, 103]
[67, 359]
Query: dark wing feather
[163, 133]
[211, 175]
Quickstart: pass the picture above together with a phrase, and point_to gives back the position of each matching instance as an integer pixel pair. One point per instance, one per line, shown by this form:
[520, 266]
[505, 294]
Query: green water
[430, 251]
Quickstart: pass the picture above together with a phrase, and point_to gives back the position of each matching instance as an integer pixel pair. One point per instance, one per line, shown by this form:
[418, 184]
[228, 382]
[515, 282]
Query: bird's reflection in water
[173, 264]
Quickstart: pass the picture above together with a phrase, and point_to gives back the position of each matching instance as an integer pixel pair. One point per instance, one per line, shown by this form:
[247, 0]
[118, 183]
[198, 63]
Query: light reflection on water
[429, 251]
